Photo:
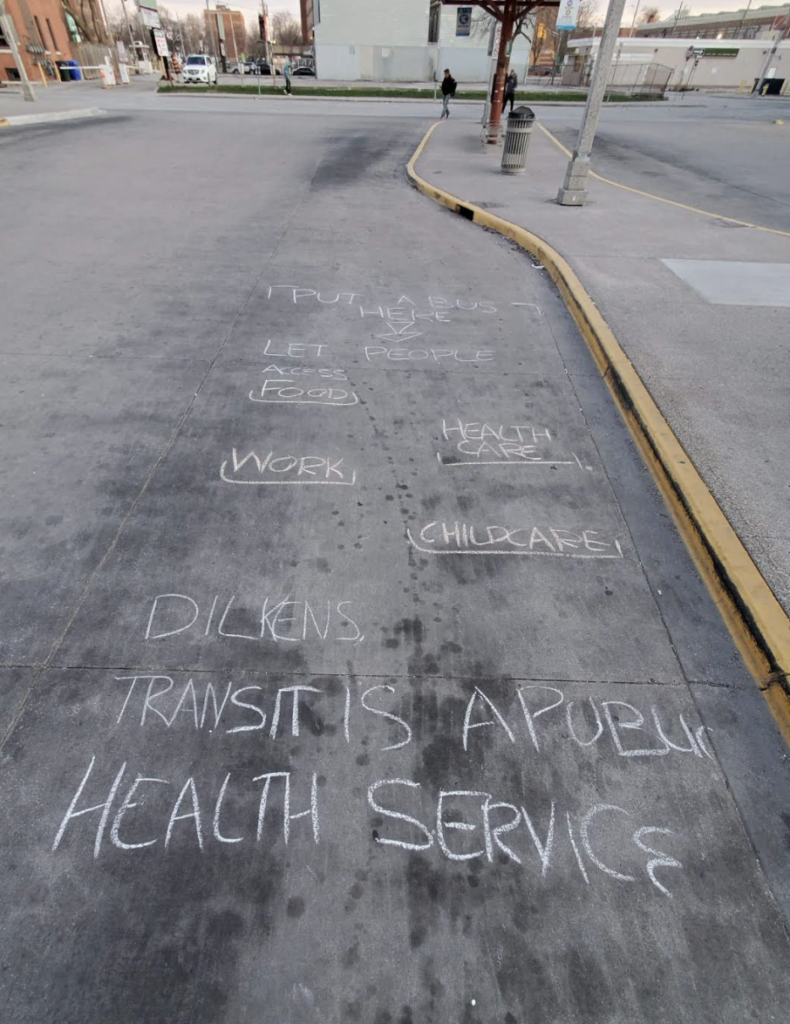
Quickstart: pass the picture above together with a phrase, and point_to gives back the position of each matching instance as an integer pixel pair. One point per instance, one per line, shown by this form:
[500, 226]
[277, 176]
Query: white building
[406, 41]
[727, 64]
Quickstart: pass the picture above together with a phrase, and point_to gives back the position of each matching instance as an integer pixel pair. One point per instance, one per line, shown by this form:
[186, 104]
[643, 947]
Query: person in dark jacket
[449, 85]
[510, 90]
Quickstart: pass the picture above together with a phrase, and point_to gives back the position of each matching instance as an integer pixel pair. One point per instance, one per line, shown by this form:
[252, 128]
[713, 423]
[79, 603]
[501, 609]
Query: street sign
[567, 15]
[150, 18]
[463, 21]
[160, 42]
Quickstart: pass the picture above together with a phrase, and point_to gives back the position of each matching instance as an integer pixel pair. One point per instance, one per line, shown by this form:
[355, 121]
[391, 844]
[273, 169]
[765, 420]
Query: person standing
[449, 85]
[287, 76]
[510, 91]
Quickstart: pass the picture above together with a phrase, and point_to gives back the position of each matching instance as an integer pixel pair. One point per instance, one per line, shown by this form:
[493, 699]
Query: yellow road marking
[661, 199]
[754, 617]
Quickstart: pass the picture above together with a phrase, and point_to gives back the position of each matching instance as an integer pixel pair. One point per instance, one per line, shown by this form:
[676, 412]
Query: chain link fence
[624, 77]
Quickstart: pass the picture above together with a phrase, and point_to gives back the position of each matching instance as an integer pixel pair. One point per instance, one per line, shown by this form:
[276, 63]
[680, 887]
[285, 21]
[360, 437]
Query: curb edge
[50, 117]
[753, 615]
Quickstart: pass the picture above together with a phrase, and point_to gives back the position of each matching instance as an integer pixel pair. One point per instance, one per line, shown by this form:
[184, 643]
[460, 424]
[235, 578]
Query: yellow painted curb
[3, 122]
[755, 618]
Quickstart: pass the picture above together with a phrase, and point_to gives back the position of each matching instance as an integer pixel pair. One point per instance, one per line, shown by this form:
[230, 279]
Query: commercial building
[44, 33]
[697, 63]
[406, 41]
[747, 23]
[226, 32]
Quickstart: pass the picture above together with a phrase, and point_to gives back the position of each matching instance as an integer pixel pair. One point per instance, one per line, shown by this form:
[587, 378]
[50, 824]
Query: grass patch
[534, 96]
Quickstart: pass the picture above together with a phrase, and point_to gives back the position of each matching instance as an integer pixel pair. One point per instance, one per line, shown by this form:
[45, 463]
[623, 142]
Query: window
[3, 40]
[52, 34]
[40, 32]
[433, 21]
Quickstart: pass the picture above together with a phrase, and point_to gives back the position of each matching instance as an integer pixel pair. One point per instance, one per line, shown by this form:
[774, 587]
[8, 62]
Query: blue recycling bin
[74, 68]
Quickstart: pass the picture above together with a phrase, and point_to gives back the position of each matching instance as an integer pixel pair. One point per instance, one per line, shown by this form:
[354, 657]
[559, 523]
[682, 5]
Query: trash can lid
[522, 113]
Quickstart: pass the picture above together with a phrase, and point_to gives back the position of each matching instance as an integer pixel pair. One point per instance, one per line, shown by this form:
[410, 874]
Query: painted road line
[749, 607]
[662, 199]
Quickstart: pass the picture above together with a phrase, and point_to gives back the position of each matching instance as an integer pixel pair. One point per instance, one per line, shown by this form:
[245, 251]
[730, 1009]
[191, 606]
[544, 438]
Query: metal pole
[9, 31]
[574, 191]
[779, 37]
[129, 27]
[633, 23]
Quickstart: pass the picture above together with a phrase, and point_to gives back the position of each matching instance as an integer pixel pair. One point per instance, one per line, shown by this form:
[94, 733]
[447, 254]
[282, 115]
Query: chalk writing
[283, 620]
[304, 296]
[481, 837]
[542, 721]
[306, 371]
[375, 353]
[187, 807]
[278, 392]
[294, 350]
[287, 469]
[485, 444]
[442, 538]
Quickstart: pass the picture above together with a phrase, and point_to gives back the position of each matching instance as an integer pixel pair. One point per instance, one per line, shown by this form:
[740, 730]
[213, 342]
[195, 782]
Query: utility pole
[779, 37]
[574, 190]
[9, 31]
[633, 23]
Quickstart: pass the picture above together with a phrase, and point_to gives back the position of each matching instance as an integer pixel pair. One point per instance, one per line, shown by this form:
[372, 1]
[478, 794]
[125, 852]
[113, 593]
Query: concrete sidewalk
[702, 335]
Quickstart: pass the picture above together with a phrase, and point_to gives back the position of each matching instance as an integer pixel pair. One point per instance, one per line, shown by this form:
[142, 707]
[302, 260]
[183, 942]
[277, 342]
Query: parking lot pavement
[355, 669]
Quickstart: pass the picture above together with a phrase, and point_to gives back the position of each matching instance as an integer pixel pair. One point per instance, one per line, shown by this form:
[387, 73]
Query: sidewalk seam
[753, 615]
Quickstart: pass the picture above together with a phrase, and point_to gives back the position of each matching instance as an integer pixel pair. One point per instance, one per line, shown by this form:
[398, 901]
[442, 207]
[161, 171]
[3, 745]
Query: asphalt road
[353, 669]
[723, 154]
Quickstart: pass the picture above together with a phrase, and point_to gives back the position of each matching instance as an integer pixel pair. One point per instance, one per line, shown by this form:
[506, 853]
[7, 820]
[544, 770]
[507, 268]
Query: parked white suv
[199, 67]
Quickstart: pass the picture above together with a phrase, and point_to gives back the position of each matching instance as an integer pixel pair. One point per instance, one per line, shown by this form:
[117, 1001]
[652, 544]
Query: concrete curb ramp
[753, 615]
[18, 120]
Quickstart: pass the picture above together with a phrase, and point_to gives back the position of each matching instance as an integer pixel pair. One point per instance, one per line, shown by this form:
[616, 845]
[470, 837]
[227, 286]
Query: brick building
[226, 32]
[44, 32]
[308, 21]
[747, 23]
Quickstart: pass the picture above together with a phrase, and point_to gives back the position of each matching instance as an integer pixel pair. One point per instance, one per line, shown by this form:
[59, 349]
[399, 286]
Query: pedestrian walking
[510, 90]
[287, 76]
[449, 85]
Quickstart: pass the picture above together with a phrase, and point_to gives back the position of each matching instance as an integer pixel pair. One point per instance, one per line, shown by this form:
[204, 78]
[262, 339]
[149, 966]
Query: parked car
[248, 67]
[264, 68]
[303, 69]
[199, 67]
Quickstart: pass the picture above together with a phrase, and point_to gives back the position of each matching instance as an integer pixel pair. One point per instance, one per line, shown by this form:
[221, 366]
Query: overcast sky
[251, 7]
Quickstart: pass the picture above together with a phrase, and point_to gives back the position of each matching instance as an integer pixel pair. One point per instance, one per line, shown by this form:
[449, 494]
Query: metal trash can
[519, 129]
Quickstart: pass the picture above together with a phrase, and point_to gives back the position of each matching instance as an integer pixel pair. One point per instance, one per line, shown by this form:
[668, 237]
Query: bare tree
[589, 14]
[648, 16]
[285, 29]
[87, 16]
